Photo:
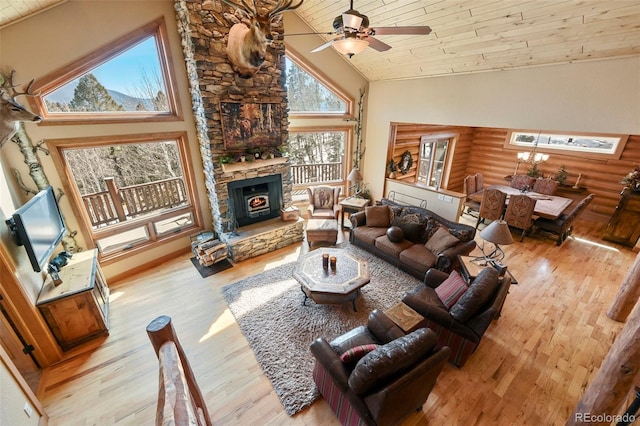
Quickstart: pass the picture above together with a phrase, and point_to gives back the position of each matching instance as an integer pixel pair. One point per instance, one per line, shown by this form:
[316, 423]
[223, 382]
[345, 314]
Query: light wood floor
[532, 366]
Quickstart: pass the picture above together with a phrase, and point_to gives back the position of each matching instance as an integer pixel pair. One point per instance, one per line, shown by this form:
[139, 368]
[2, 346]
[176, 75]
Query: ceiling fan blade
[414, 30]
[376, 44]
[324, 46]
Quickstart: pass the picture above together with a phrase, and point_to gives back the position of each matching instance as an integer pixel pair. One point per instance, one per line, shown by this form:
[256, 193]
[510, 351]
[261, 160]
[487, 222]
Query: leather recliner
[461, 333]
[385, 385]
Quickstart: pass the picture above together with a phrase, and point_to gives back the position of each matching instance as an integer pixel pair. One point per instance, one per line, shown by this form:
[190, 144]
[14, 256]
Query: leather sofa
[384, 382]
[428, 240]
[461, 326]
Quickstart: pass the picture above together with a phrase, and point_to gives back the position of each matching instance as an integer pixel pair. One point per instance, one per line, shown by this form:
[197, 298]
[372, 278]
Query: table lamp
[356, 177]
[497, 233]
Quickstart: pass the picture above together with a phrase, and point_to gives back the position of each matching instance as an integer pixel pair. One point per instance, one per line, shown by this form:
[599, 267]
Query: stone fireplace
[248, 228]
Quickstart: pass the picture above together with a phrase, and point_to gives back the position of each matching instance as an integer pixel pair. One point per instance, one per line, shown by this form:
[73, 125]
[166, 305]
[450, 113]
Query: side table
[469, 269]
[405, 317]
[352, 205]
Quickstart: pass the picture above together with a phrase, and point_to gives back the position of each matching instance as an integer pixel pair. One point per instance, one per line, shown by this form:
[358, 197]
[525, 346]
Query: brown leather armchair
[389, 382]
[462, 326]
[323, 202]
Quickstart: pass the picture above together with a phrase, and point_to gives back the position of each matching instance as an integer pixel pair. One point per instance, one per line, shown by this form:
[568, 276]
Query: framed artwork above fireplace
[251, 125]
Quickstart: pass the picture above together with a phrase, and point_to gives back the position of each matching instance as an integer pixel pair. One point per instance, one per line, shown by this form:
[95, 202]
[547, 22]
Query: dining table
[547, 206]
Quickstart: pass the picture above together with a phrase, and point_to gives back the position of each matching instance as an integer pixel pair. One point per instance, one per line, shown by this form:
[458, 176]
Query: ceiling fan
[354, 33]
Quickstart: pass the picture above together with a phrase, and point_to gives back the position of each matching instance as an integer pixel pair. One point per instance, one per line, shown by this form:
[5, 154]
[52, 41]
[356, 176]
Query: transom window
[432, 161]
[129, 80]
[311, 94]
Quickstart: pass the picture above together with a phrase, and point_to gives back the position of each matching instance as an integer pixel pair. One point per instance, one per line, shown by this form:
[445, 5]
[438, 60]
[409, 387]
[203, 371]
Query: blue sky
[122, 72]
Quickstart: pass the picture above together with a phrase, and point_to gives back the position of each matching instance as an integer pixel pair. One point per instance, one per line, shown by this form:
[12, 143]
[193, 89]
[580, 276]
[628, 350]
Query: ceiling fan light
[351, 21]
[350, 46]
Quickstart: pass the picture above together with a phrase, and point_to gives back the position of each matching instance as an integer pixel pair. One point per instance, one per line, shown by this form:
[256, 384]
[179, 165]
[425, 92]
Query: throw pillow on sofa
[395, 234]
[451, 289]
[353, 355]
[377, 216]
[479, 293]
[412, 231]
[440, 241]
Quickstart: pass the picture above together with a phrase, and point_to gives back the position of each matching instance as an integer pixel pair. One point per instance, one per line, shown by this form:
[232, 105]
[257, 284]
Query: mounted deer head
[11, 112]
[247, 46]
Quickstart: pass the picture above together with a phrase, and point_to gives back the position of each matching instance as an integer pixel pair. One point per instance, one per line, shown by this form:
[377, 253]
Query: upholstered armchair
[375, 374]
[519, 213]
[323, 202]
[563, 225]
[492, 205]
[545, 186]
[522, 182]
[457, 314]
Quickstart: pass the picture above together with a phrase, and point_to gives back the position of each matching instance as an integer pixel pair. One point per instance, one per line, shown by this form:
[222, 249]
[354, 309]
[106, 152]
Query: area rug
[207, 271]
[268, 307]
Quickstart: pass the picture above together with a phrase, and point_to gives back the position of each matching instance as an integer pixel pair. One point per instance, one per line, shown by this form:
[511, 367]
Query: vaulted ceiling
[468, 35]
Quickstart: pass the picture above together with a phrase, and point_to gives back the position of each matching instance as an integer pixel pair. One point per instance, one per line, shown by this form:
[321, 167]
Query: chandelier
[532, 157]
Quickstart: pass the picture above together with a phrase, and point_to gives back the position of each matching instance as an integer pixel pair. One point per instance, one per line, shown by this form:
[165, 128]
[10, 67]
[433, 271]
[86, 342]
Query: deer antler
[283, 6]
[248, 8]
[10, 86]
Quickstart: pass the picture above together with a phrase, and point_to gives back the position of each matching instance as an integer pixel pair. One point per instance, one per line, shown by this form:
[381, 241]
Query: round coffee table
[326, 286]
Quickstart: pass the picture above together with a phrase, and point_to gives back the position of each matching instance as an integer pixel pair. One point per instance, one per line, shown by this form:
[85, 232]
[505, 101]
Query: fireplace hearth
[256, 199]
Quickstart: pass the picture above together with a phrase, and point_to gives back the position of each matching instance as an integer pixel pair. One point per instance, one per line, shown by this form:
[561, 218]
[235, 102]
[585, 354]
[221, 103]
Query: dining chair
[522, 181]
[473, 184]
[492, 205]
[545, 186]
[519, 213]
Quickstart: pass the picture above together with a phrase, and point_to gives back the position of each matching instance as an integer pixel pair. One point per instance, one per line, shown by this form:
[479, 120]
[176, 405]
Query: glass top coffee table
[326, 286]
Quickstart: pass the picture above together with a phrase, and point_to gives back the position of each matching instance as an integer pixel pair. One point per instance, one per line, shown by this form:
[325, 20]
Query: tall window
[320, 153]
[317, 156]
[130, 191]
[129, 80]
[433, 157]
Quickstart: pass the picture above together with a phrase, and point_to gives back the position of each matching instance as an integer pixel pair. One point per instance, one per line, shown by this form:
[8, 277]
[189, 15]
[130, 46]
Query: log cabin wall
[481, 150]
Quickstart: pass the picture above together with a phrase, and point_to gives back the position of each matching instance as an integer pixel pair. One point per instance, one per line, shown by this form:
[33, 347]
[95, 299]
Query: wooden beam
[628, 294]
[615, 379]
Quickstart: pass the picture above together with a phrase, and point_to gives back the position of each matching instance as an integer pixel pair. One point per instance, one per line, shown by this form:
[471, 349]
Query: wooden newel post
[619, 372]
[161, 331]
[628, 294]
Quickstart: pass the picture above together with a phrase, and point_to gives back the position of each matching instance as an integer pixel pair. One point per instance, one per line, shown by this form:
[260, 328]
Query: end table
[352, 205]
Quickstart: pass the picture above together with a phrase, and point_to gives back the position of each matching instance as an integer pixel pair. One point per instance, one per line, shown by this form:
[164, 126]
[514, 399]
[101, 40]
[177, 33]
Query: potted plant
[561, 174]
[225, 159]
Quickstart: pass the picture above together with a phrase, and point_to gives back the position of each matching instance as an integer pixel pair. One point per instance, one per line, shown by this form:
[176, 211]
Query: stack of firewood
[209, 250]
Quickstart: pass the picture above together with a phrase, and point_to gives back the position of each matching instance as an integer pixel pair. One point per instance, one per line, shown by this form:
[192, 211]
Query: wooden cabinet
[77, 309]
[624, 226]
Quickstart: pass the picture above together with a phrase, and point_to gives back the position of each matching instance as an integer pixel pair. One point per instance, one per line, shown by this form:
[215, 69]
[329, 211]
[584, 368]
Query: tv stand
[78, 309]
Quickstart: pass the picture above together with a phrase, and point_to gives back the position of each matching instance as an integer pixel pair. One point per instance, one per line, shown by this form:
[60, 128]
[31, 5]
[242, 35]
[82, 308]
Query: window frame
[295, 57]
[348, 141]
[86, 63]
[57, 146]
[433, 140]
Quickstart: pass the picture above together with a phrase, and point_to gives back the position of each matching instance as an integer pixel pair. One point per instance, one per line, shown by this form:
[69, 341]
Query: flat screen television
[39, 227]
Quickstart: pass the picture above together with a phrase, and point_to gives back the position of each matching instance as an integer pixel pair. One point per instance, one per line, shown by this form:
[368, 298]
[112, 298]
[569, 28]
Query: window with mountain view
[127, 81]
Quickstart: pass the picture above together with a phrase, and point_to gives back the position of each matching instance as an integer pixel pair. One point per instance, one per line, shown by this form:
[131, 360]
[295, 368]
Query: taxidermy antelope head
[11, 112]
[247, 45]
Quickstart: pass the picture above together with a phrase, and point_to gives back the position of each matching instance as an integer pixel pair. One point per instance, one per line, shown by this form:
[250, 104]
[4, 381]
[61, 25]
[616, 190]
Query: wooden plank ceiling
[468, 35]
[482, 35]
